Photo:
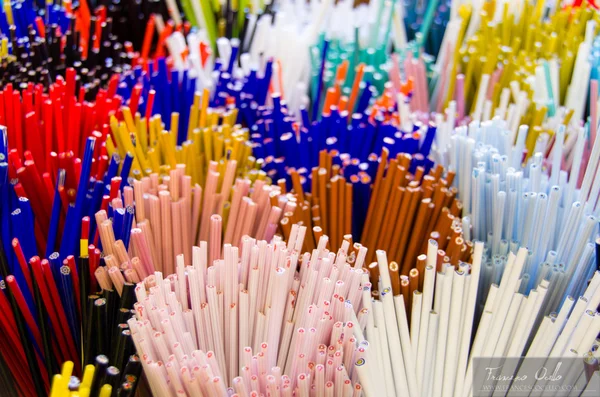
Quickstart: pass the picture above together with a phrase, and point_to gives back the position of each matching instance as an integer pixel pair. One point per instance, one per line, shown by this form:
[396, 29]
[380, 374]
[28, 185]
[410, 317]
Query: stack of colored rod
[191, 69]
[250, 93]
[333, 69]
[48, 144]
[63, 148]
[98, 379]
[283, 31]
[512, 205]
[345, 199]
[368, 43]
[399, 325]
[59, 319]
[285, 142]
[365, 45]
[111, 306]
[179, 216]
[498, 159]
[515, 67]
[209, 136]
[543, 199]
[551, 138]
[269, 330]
[293, 33]
[347, 154]
[172, 39]
[55, 159]
[40, 44]
[37, 222]
[432, 354]
[274, 129]
[50, 296]
[160, 385]
[442, 200]
[182, 132]
[301, 151]
[570, 332]
[423, 204]
[128, 18]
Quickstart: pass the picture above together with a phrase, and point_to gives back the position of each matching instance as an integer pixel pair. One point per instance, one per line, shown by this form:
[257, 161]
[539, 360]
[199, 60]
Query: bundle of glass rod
[354, 39]
[275, 122]
[64, 140]
[512, 205]
[503, 168]
[381, 316]
[402, 334]
[54, 308]
[40, 41]
[271, 143]
[569, 332]
[542, 200]
[340, 206]
[272, 319]
[440, 364]
[432, 353]
[514, 62]
[270, 332]
[48, 144]
[516, 314]
[119, 257]
[379, 132]
[60, 317]
[292, 33]
[238, 19]
[145, 210]
[36, 222]
[136, 267]
[331, 148]
[171, 217]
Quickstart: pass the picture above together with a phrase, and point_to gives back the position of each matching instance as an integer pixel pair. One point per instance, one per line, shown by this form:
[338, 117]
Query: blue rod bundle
[276, 134]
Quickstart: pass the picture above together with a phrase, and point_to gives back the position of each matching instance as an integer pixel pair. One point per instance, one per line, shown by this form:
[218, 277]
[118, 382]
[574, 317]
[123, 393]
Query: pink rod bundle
[167, 209]
[254, 321]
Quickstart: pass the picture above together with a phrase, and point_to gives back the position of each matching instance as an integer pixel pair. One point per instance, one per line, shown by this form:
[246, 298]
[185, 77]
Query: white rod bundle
[512, 204]
[444, 336]
[194, 332]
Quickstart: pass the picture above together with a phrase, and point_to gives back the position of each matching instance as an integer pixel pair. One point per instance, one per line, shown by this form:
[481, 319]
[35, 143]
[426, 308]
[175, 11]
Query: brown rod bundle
[405, 210]
[327, 209]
